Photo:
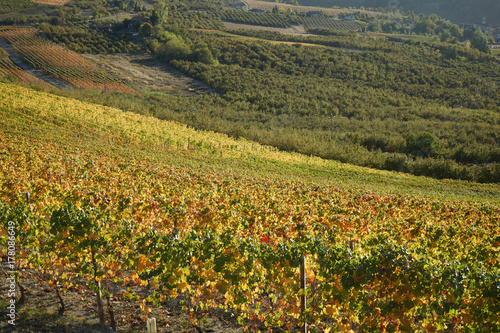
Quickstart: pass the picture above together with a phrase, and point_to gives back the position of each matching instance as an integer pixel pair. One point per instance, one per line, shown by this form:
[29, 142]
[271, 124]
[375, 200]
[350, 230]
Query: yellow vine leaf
[211, 274]
[182, 286]
[331, 310]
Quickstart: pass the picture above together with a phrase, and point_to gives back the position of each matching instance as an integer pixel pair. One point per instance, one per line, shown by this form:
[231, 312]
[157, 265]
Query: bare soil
[143, 71]
[37, 310]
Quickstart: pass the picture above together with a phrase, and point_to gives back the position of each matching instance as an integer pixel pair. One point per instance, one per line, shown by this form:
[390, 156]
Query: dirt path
[142, 71]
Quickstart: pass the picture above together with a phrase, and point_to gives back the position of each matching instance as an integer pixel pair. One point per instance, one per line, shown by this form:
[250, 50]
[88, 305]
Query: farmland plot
[58, 61]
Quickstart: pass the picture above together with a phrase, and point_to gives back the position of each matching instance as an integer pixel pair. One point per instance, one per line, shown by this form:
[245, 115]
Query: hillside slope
[153, 211]
[457, 11]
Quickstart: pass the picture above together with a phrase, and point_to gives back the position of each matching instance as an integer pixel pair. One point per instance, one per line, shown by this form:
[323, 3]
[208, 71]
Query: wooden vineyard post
[303, 300]
[151, 325]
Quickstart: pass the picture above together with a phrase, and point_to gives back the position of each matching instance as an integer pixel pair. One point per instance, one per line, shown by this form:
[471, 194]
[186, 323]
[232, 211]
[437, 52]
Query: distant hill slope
[8, 6]
[457, 11]
[308, 5]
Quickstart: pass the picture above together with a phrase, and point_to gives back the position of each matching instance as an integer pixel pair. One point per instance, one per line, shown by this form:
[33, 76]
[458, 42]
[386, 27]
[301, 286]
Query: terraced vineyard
[264, 19]
[125, 200]
[329, 23]
[58, 61]
[52, 2]
[268, 6]
[13, 6]
[10, 69]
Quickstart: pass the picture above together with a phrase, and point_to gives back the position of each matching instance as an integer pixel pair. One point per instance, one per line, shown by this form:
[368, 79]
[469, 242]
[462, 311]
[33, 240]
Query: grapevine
[59, 61]
[120, 199]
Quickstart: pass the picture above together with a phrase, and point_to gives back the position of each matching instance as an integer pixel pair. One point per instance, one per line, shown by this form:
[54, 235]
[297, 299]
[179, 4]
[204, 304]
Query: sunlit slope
[223, 223]
[71, 124]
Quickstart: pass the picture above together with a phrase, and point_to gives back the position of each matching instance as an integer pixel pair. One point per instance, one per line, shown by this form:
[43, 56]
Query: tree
[479, 41]
[425, 144]
[154, 18]
[445, 35]
[456, 31]
[174, 49]
[153, 45]
[425, 27]
[160, 12]
[203, 53]
[375, 26]
[146, 29]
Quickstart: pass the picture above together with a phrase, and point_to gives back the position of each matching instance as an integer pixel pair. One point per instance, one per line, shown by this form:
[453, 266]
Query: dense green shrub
[8, 6]
[90, 41]
[175, 48]
[279, 91]
[425, 144]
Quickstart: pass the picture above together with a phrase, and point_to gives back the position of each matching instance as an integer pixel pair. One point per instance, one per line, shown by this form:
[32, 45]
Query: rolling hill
[461, 11]
[193, 173]
[95, 196]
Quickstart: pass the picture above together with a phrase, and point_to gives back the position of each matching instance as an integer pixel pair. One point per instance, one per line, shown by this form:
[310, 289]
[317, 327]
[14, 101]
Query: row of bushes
[264, 19]
[14, 6]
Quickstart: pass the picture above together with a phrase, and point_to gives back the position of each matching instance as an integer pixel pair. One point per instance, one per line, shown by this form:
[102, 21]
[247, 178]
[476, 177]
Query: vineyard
[52, 2]
[58, 61]
[268, 6]
[128, 202]
[270, 19]
[13, 6]
[329, 23]
[8, 69]
[264, 19]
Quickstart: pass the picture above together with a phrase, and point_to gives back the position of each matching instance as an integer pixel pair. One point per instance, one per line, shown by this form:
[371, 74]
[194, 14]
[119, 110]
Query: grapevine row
[8, 68]
[264, 19]
[225, 238]
[328, 23]
[59, 61]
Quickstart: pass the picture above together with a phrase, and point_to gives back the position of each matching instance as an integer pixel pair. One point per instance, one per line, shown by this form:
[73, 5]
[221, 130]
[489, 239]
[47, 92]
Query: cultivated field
[52, 2]
[293, 30]
[154, 212]
[10, 70]
[268, 6]
[328, 23]
[58, 61]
